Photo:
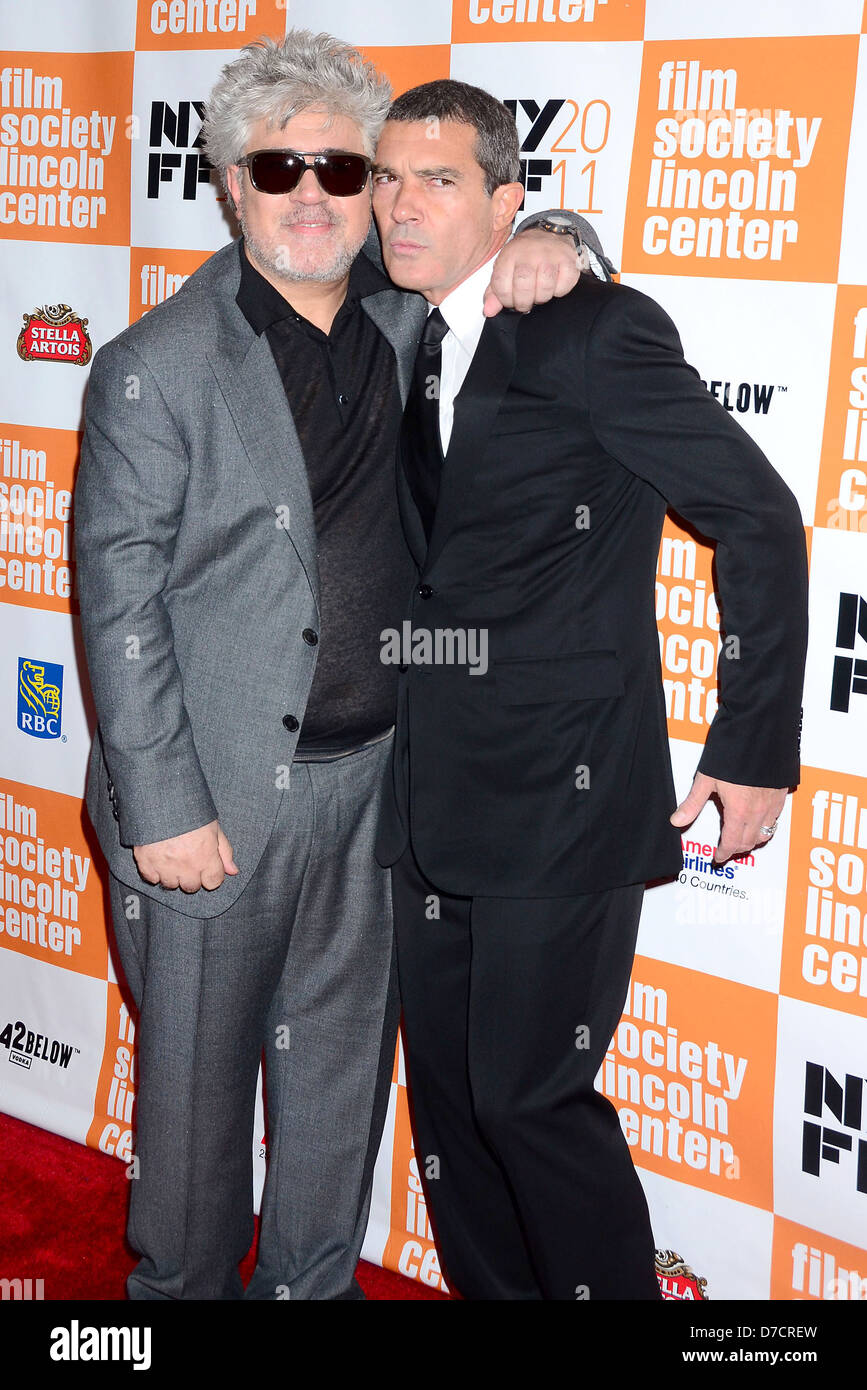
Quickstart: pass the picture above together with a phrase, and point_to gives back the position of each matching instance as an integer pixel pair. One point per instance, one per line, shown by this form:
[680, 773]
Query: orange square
[546, 21]
[825, 934]
[408, 67]
[687, 620]
[37, 566]
[54, 902]
[691, 1073]
[66, 167]
[410, 1247]
[841, 498]
[808, 1265]
[739, 160]
[111, 1128]
[156, 273]
[170, 25]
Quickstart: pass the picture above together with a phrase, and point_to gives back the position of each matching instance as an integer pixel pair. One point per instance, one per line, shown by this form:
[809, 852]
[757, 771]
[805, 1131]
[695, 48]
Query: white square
[56, 26]
[835, 1046]
[684, 19]
[725, 1242]
[575, 107]
[94, 282]
[56, 763]
[174, 194]
[51, 1082]
[764, 348]
[853, 245]
[834, 738]
[379, 23]
[727, 923]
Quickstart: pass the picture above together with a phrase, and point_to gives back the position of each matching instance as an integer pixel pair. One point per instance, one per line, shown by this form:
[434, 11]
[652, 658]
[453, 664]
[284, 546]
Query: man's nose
[308, 188]
[406, 207]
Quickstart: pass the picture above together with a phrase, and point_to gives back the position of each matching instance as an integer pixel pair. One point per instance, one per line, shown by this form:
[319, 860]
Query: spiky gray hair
[274, 81]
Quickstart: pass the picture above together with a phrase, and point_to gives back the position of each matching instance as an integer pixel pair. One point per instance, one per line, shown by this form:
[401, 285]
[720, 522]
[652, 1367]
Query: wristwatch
[560, 224]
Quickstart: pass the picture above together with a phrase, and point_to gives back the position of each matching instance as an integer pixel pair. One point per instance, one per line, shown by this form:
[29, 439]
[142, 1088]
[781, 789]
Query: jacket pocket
[545, 680]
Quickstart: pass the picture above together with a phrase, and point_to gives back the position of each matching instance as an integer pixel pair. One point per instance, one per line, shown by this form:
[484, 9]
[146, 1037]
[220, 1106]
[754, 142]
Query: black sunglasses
[341, 174]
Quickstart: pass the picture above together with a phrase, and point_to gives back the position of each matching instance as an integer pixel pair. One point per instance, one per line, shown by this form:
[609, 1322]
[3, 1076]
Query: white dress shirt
[462, 311]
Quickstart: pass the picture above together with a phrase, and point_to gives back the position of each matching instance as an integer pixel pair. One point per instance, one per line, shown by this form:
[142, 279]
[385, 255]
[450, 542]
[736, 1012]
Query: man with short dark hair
[531, 800]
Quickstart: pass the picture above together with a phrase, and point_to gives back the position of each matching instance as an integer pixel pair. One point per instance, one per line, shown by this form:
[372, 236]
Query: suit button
[290, 723]
[310, 637]
[424, 591]
[403, 668]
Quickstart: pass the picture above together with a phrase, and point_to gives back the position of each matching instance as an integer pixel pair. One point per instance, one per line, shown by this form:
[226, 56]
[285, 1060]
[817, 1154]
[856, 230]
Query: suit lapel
[409, 513]
[476, 407]
[248, 378]
[400, 319]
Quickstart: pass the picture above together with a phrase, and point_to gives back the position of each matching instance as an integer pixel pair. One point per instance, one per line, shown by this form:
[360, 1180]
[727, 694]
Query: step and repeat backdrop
[721, 153]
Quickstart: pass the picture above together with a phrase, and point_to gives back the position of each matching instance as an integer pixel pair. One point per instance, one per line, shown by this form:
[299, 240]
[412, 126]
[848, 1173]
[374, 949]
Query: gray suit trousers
[302, 967]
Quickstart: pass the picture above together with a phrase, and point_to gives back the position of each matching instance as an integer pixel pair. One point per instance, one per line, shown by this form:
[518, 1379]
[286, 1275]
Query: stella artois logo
[55, 334]
[676, 1279]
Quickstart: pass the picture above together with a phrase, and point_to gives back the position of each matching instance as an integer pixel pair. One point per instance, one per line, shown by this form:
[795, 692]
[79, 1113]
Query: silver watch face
[557, 219]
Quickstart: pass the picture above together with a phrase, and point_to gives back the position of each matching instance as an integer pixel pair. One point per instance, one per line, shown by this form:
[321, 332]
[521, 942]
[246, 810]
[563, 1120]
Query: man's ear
[507, 198]
[233, 184]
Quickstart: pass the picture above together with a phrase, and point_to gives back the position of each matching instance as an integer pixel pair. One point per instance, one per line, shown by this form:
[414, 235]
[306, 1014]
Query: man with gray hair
[239, 551]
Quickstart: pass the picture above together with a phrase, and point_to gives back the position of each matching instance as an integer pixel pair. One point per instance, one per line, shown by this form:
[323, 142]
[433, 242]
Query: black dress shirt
[342, 391]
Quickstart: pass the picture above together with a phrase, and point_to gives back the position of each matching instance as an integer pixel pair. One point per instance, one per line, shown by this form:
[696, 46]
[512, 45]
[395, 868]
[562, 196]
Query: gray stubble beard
[278, 260]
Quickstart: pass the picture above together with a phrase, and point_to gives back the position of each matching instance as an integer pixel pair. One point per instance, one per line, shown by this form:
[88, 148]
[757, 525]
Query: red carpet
[63, 1216]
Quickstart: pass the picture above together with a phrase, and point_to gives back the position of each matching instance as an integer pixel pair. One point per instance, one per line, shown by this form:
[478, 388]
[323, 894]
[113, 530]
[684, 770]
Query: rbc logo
[40, 697]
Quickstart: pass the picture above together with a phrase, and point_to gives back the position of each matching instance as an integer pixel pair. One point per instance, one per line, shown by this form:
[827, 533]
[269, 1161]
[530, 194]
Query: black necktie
[420, 446]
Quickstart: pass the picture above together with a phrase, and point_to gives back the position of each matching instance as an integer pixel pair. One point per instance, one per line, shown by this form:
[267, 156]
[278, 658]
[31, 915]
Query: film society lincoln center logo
[740, 157]
[40, 698]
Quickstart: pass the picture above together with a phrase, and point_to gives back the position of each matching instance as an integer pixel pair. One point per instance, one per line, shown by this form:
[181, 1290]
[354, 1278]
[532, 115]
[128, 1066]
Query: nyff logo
[40, 698]
[821, 1142]
[543, 128]
[175, 128]
[850, 672]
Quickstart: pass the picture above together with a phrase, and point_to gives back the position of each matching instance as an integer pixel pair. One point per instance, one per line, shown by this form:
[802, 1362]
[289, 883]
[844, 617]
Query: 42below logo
[23, 1044]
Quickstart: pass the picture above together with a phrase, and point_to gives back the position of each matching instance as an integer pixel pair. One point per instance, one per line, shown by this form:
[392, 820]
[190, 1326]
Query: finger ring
[768, 829]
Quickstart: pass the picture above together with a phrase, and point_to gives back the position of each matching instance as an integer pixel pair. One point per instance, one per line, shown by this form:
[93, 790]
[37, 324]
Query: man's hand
[199, 859]
[531, 269]
[745, 810]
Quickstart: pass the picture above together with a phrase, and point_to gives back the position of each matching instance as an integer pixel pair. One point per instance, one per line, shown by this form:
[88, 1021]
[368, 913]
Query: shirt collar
[462, 307]
[262, 305]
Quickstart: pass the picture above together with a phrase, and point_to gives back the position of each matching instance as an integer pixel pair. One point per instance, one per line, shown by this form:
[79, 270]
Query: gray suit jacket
[197, 573]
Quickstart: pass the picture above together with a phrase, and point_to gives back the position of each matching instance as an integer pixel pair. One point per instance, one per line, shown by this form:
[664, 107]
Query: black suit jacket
[585, 402]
